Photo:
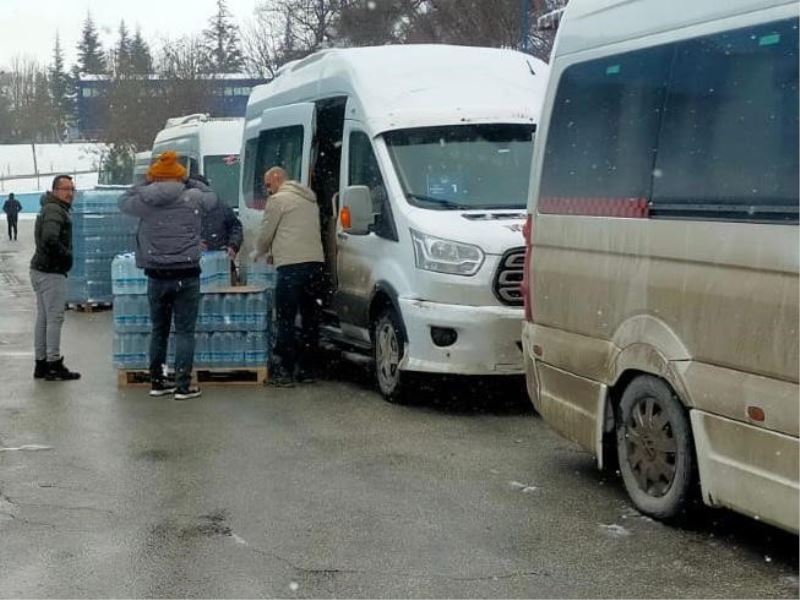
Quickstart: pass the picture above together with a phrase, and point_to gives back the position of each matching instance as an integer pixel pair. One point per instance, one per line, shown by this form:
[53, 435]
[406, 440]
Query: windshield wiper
[439, 202]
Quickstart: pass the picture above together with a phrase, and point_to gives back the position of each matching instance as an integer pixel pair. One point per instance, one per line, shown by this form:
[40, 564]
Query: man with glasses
[50, 264]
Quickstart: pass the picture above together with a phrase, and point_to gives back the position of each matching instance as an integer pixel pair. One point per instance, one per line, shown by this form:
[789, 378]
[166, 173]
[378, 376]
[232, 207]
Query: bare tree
[261, 44]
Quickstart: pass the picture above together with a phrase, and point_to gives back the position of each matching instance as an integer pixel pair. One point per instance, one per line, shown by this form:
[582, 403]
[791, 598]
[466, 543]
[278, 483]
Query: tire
[655, 448]
[388, 348]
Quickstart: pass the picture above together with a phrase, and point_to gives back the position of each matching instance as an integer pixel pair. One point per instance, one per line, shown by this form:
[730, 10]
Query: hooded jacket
[222, 228]
[168, 238]
[290, 227]
[53, 236]
[12, 207]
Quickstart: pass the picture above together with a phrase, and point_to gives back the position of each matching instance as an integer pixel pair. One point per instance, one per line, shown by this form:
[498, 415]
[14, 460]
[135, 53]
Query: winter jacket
[168, 238]
[222, 228]
[12, 207]
[53, 236]
[290, 227]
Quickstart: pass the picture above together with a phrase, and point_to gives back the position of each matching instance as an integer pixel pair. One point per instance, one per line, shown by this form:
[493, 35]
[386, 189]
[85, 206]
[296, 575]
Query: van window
[729, 142]
[603, 130]
[222, 173]
[363, 169]
[704, 128]
[463, 166]
[279, 147]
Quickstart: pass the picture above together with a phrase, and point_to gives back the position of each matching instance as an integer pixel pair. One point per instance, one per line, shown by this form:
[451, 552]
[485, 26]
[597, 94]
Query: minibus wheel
[388, 345]
[654, 446]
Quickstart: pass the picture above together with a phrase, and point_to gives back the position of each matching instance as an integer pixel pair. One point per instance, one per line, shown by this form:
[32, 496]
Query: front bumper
[488, 338]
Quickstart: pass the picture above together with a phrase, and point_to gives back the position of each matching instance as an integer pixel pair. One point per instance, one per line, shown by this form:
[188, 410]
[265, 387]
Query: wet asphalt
[323, 490]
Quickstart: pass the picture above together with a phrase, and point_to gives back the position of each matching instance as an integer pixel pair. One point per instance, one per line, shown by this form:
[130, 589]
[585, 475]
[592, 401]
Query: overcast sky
[28, 27]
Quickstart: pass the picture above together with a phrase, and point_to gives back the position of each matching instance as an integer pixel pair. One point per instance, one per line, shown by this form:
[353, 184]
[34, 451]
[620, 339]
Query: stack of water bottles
[99, 233]
[233, 324]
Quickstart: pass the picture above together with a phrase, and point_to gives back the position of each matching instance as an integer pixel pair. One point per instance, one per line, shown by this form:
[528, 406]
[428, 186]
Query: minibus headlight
[445, 256]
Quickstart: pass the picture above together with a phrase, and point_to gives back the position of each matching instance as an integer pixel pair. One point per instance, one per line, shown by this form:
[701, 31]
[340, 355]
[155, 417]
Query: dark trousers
[12, 225]
[178, 298]
[300, 288]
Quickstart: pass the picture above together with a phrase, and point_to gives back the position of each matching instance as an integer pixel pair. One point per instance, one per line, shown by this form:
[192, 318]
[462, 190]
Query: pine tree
[221, 43]
[141, 59]
[40, 114]
[61, 91]
[90, 51]
[122, 53]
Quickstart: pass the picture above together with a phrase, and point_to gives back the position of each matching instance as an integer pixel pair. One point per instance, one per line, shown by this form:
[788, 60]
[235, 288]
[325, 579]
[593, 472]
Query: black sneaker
[187, 393]
[305, 377]
[281, 380]
[161, 387]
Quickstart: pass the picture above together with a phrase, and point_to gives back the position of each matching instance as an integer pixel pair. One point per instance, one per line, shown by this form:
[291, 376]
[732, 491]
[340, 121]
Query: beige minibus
[661, 273]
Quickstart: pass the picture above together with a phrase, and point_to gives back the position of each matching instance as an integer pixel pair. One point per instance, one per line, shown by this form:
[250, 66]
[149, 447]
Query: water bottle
[232, 348]
[227, 312]
[262, 348]
[251, 312]
[116, 352]
[201, 349]
[122, 314]
[125, 350]
[215, 345]
[203, 313]
[140, 350]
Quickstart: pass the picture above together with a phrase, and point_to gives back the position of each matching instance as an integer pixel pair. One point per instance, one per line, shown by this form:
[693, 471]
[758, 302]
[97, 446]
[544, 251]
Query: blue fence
[29, 201]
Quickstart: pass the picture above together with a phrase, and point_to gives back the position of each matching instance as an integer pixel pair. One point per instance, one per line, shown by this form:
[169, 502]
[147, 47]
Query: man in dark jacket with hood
[168, 249]
[12, 207]
[222, 229]
[49, 267]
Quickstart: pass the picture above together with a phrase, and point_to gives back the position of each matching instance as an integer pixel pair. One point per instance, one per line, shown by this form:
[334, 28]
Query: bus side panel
[762, 482]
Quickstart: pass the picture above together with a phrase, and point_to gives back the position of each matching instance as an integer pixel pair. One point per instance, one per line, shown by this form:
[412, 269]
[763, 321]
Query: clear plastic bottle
[228, 309]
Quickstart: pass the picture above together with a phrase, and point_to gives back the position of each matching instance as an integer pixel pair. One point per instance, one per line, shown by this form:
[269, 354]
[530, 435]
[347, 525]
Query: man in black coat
[222, 229]
[49, 267]
[12, 207]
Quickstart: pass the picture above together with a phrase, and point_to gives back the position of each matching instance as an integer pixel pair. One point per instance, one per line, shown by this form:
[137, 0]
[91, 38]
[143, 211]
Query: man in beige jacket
[290, 234]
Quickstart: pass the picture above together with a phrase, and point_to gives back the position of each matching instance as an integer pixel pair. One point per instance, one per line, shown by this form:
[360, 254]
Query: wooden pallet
[210, 376]
[89, 307]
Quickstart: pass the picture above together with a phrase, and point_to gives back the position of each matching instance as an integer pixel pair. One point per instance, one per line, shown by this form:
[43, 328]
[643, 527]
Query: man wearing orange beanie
[168, 249]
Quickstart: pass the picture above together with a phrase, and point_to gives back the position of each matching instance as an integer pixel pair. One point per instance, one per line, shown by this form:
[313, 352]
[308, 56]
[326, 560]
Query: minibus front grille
[508, 278]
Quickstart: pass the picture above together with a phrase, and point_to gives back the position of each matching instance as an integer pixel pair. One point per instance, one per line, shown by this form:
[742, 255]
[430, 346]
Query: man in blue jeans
[168, 249]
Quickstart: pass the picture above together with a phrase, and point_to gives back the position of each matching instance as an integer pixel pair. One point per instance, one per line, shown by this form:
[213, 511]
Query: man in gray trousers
[49, 267]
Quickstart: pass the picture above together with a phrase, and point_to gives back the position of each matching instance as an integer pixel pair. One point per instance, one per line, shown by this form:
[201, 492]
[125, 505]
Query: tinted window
[604, 126]
[729, 143]
[280, 147]
[363, 170]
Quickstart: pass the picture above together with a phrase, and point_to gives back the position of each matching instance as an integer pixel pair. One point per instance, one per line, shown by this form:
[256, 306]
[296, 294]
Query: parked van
[662, 250]
[141, 164]
[418, 157]
[209, 147]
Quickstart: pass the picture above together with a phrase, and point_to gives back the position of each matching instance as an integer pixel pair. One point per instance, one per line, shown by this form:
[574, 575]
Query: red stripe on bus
[630, 208]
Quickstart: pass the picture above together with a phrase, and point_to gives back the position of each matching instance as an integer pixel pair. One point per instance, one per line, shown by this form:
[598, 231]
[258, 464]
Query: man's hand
[203, 246]
[231, 251]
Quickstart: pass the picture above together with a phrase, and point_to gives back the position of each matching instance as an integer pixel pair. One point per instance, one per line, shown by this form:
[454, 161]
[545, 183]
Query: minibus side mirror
[356, 214]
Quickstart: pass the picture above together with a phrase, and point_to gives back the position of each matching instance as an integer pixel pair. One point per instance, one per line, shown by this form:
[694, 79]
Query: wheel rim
[651, 447]
[387, 357]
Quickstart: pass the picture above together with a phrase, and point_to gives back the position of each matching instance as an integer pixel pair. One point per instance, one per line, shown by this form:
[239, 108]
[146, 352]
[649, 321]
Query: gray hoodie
[170, 225]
